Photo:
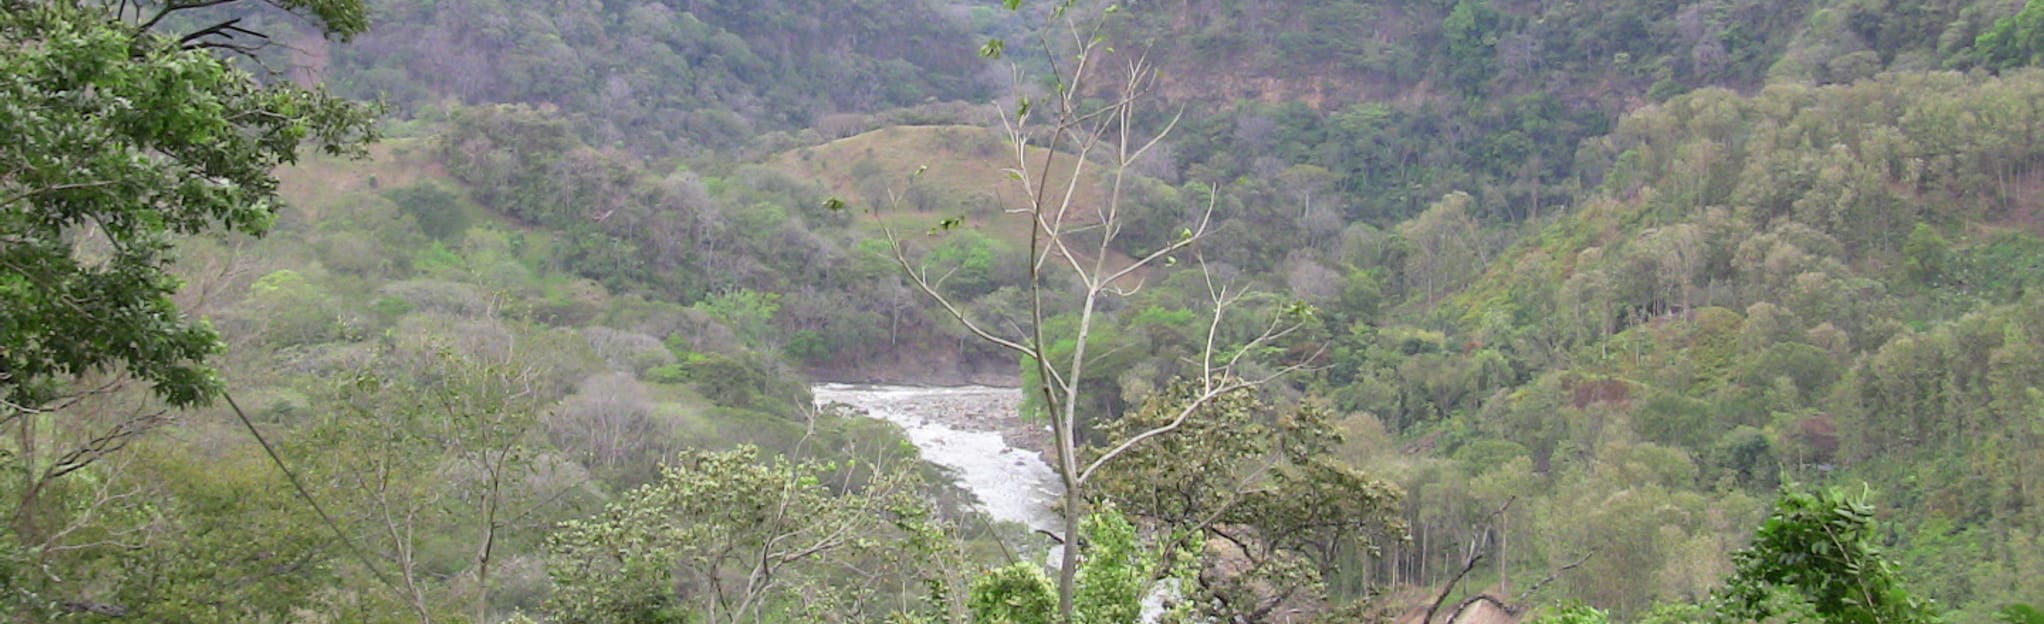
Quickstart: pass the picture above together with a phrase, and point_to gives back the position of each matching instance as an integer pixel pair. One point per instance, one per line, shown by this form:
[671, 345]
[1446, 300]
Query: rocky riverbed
[973, 430]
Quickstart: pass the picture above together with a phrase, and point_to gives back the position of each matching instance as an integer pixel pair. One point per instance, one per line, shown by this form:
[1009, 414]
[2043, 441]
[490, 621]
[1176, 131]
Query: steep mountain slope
[1833, 284]
[1406, 102]
[665, 77]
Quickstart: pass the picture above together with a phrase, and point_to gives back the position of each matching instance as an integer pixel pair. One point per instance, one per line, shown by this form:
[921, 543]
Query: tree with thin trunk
[1258, 490]
[1086, 139]
[428, 441]
[733, 538]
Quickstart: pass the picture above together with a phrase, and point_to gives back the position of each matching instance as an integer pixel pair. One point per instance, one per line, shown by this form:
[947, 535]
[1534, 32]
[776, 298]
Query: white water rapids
[957, 428]
[953, 428]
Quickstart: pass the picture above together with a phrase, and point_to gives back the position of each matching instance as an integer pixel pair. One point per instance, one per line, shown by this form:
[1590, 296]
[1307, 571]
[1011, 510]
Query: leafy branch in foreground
[1817, 553]
[120, 139]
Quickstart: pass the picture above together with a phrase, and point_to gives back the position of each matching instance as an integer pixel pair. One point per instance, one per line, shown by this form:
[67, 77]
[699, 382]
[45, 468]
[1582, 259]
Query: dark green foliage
[1811, 369]
[234, 520]
[1818, 551]
[1503, 100]
[1926, 256]
[1490, 98]
[745, 382]
[1390, 159]
[2014, 41]
[1747, 455]
[2020, 614]
[1361, 296]
[437, 210]
[119, 141]
[1471, 31]
[1676, 420]
[1813, 560]
[752, 384]
[1015, 594]
[1197, 480]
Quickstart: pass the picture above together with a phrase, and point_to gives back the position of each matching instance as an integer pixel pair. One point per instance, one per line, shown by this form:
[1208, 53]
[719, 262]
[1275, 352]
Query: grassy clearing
[976, 164]
[319, 183]
[957, 161]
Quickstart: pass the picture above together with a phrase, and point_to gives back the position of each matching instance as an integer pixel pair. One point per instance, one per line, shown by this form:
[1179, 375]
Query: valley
[1334, 311]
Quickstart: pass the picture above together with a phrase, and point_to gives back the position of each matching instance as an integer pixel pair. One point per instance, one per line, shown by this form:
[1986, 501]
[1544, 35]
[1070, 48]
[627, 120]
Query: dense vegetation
[662, 78]
[1405, 102]
[1588, 289]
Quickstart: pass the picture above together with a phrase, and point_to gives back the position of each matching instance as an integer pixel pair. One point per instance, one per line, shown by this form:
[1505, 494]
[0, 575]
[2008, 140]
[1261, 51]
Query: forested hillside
[1406, 102]
[662, 78]
[1812, 283]
[1606, 310]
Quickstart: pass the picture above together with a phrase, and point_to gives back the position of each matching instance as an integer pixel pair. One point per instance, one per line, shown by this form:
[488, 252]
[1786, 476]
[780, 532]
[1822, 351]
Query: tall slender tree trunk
[1504, 570]
[1068, 563]
[1424, 555]
[31, 488]
[483, 557]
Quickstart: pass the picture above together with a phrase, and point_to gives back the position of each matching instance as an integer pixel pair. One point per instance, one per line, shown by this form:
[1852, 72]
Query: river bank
[976, 432]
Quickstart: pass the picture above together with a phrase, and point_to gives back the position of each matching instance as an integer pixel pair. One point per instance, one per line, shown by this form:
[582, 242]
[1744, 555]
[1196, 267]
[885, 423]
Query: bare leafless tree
[1059, 148]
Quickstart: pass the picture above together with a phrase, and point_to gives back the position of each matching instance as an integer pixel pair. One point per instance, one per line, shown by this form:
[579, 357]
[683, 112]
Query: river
[960, 428]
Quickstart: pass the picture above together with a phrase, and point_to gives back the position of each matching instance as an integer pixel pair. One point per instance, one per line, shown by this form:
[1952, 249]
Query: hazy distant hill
[666, 76]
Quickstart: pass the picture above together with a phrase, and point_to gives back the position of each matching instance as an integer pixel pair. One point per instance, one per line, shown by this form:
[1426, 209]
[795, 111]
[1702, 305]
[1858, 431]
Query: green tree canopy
[1258, 484]
[2013, 41]
[732, 537]
[119, 139]
[1816, 553]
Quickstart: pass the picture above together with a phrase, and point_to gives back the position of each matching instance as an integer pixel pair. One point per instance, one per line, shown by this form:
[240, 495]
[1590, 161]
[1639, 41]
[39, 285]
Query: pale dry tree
[1062, 151]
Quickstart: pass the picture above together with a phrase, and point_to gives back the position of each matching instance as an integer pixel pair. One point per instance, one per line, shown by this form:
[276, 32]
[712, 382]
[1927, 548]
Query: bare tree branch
[922, 282]
[1551, 577]
[173, 6]
[1081, 135]
[1177, 421]
[10, 200]
[1478, 548]
[1467, 565]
